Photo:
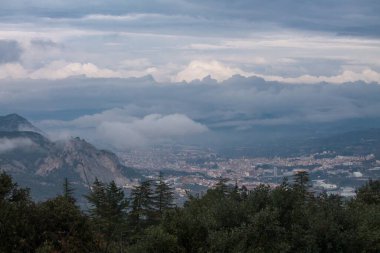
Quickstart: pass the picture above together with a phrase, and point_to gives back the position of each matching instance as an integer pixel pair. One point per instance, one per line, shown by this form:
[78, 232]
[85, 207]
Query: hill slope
[41, 164]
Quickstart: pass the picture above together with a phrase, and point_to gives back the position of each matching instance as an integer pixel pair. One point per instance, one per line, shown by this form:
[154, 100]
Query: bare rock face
[85, 160]
[35, 161]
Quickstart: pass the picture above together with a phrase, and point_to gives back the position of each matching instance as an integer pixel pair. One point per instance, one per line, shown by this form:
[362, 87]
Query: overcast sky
[67, 62]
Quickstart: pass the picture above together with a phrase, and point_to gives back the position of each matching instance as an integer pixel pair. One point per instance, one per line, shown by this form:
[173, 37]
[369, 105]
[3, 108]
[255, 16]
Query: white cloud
[139, 63]
[95, 43]
[219, 71]
[367, 75]
[57, 70]
[301, 41]
[116, 128]
[12, 71]
[99, 17]
[7, 144]
[204, 46]
[91, 121]
[131, 17]
[151, 129]
[156, 125]
[25, 32]
[200, 69]
[62, 70]
[196, 69]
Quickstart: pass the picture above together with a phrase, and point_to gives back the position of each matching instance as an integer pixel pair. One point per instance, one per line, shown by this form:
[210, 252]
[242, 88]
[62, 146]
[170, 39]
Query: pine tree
[6, 186]
[369, 193]
[142, 201]
[164, 196]
[301, 181]
[116, 202]
[108, 211]
[68, 191]
[107, 201]
[97, 199]
[62, 227]
[17, 212]
[221, 186]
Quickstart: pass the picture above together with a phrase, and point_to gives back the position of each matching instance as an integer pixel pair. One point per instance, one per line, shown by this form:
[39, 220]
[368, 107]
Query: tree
[301, 182]
[164, 196]
[116, 202]
[68, 191]
[287, 218]
[221, 186]
[108, 211]
[365, 210]
[9, 191]
[6, 187]
[142, 201]
[62, 227]
[332, 228]
[369, 193]
[17, 217]
[156, 240]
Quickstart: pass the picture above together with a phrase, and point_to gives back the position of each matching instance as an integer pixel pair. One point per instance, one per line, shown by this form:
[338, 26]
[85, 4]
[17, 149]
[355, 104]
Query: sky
[130, 73]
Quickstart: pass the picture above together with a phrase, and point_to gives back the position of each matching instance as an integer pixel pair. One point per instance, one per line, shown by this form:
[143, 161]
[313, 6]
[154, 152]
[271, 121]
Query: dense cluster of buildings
[190, 169]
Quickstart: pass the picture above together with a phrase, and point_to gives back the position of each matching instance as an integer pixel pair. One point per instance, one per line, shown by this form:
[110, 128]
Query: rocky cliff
[41, 164]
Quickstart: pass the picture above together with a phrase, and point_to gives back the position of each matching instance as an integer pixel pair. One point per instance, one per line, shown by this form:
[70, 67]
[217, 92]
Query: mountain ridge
[14, 123]
[37, 162]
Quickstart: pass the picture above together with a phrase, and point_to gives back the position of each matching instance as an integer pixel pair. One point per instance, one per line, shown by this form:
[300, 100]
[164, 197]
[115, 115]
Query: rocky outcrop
[34, 159]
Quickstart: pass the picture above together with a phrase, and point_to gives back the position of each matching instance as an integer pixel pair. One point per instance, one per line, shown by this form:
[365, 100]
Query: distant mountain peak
[15, 123]
[13, 116]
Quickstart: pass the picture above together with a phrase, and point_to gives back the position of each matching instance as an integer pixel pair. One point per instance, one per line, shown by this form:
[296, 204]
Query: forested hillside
[288, 218]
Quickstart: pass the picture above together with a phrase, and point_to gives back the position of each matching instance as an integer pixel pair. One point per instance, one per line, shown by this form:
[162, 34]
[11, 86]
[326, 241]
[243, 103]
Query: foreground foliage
[288, 218]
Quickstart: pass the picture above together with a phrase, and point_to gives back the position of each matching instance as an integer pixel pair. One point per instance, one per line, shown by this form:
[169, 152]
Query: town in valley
[194, 170]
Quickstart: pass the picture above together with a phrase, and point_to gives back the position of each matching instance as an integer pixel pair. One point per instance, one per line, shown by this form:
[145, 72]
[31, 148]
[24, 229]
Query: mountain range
[41, 164]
